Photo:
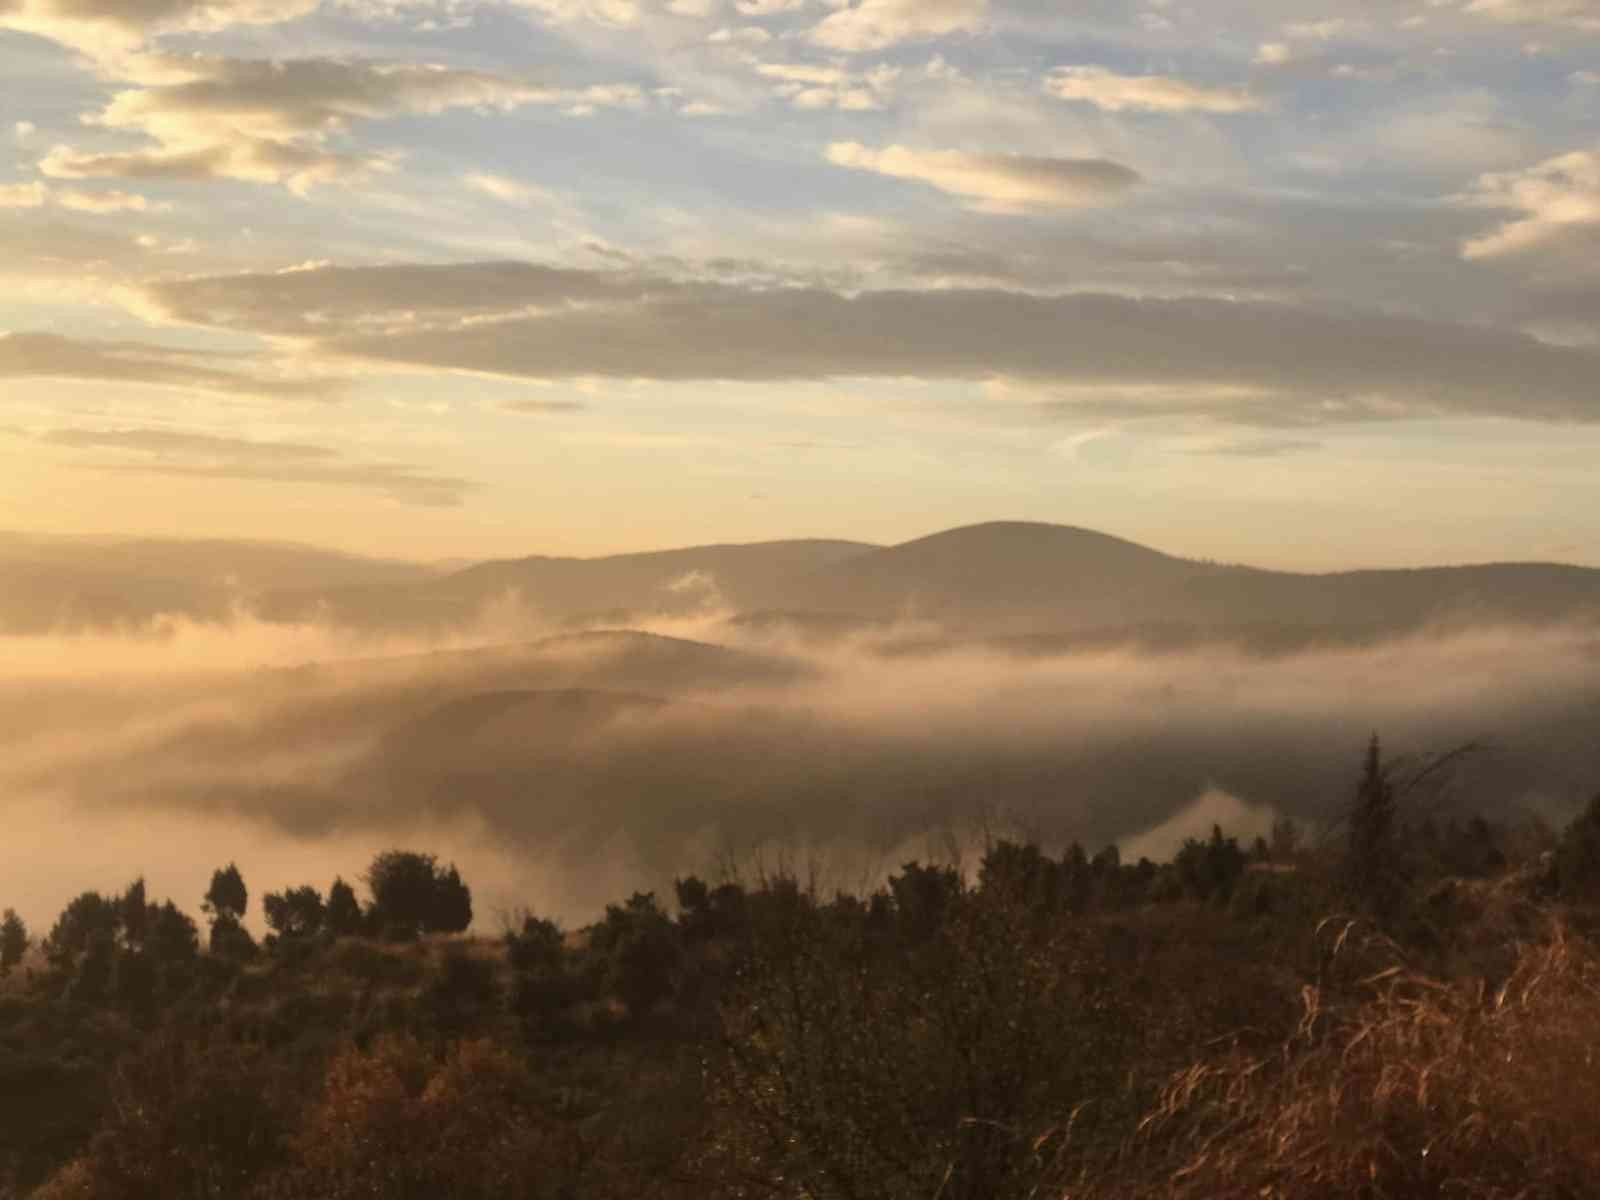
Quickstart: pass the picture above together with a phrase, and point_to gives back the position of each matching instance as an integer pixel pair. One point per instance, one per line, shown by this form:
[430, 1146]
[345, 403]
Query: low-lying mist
[564, 769]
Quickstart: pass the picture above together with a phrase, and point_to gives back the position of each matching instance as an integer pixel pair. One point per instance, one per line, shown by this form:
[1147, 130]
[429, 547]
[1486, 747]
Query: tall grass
[1413, 1088]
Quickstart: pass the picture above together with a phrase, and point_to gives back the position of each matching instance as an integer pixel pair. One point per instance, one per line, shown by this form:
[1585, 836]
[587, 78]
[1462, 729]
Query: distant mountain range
[1001, 579]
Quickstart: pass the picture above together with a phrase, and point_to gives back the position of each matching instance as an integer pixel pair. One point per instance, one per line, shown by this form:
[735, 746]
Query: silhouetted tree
[411, 893]
[1022, 875]
[230, 939]
[88, 917]
[171, 936]
[1575, 870]
[1210, 869]
[1285, 841]
[344, 911]
[226, 897]
[1371, 866]
[543, 986]
[452, 904]
[13, 941]
[538, 944]
[922, 895]
[640, 949]
[133, 911]
[295, 912]
[95, 968]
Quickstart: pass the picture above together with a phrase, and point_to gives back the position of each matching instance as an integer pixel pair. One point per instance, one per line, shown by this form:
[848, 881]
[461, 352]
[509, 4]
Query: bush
[397, 1123]
[464, 995]
[412, 892]
[1427, 1089]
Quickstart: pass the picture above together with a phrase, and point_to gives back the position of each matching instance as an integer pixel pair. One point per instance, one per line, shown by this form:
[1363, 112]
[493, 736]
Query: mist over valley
[569, 729]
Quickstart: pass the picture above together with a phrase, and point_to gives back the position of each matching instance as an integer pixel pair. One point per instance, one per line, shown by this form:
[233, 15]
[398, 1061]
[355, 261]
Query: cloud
[207, 456]
[52, 356]
[181, 443]
[1256, 363]
[877, 24]
[830, 745]
[1560, 202]
[23, 195]
[811, 86]
[315, 301]
[612, 14]
[508, 191]
[998, 182]
[37, 195]
[106, 27]
[545, 407]
[1144, 93]
[270, 122]
[1578, 14]
[101, 203]
[1260, 448]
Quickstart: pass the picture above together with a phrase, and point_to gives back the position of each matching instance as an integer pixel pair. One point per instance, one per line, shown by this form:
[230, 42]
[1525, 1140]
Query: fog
[562, 769]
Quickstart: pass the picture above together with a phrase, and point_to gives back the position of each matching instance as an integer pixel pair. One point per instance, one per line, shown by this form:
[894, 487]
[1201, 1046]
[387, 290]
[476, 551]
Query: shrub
[411, 891]
[1426, 1089]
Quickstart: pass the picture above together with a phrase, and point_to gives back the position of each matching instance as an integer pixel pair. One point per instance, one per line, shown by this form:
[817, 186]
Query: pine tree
[1371, 866]
[13, 941]
[227, 895]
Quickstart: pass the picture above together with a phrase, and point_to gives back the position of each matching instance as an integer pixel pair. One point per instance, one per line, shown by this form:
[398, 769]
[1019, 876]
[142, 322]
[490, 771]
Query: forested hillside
[1401, 1005]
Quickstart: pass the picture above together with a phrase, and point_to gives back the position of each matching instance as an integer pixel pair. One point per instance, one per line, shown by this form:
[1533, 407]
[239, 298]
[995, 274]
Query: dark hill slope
[1012, 577]
[80, 583]
[1002, 574]
[658, 583]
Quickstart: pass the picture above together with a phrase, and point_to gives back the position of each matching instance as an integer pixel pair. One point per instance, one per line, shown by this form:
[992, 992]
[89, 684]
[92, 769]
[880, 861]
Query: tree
[171, 936]
[344, 910]
[226, 897]
[543, 985]
[411, 894]
[1210, 869]
[452, 903]
[230, 939]
[1370, 861]
[87, 918]
[639, 945]
[295, 912]
[133, 913]
[1575, 871]
[1285, 841]
[13, 941]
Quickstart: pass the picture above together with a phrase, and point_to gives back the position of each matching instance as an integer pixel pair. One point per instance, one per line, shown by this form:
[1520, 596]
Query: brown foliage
[1425, 1089]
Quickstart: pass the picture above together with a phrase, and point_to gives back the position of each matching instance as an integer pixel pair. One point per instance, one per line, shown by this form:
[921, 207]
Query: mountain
[51, 583]
[1004, 574]
[1014, 578]
[613, 588]
[1004, 579]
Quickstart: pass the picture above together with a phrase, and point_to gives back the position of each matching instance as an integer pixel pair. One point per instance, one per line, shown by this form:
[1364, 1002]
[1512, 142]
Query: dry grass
[1422, 1088]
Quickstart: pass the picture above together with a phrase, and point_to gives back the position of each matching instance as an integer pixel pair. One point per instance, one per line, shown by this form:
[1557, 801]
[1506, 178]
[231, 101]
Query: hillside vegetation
[1403, 1007]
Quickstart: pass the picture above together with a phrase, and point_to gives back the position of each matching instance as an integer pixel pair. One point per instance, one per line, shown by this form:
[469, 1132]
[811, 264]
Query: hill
[998, 579]
[612, 588]
[52, 584]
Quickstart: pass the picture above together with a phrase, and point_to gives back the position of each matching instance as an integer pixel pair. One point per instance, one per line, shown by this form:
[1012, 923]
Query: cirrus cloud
[29, 355]
[878, 24]
[199, 455]
[996, 182]
[102, 28]
[1579, 14]
[262, 121]
[1256, 363]
[1559, 199]
[1105, 89]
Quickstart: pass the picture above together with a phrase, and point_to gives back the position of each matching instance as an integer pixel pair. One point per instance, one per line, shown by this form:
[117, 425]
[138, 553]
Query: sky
[1303, 285]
